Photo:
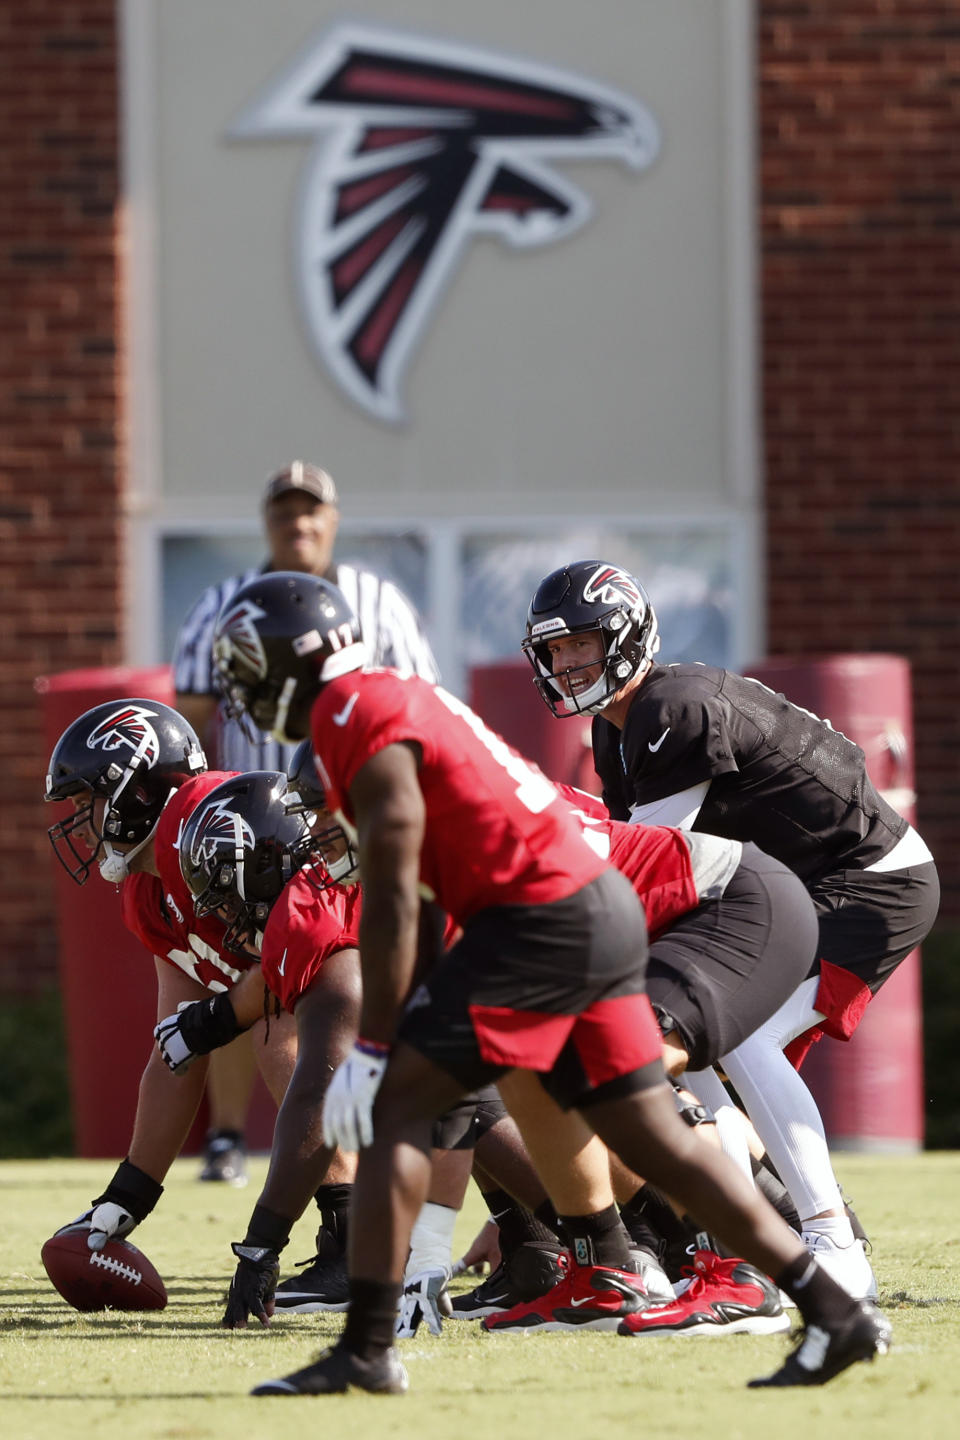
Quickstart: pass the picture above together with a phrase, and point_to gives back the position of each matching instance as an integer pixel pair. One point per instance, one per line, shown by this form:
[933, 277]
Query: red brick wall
[859, 116]
[60, 455]
[859, 176]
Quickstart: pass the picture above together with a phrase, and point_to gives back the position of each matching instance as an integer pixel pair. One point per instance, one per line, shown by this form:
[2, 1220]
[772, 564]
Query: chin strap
[115, 865]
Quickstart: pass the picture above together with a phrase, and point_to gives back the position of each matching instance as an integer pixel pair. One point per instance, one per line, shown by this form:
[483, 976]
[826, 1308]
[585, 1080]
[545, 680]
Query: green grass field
[176, 1374]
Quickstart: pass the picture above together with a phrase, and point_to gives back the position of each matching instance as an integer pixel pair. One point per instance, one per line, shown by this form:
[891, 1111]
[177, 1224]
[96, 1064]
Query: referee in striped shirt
[300, 516]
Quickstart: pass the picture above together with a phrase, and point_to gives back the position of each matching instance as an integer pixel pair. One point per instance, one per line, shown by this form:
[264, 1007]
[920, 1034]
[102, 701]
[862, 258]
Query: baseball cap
[301, 476]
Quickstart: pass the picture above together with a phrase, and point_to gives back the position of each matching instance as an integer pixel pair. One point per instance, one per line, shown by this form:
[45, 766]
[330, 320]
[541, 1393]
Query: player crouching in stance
[715, 752]
[545, 986]
[133, 770]
[272, 864]
[249, 856]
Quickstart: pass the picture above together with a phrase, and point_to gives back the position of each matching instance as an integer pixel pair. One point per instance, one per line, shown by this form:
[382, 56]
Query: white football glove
[424, 1298]
[348, 1103]
[109, 1221]
[176, 1052]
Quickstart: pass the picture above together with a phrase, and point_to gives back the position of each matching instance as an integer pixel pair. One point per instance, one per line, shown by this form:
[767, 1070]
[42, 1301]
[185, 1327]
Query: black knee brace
[456, 1128]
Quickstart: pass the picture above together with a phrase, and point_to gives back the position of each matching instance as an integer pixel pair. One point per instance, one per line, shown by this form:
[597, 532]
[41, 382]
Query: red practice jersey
[160, 911]
[307, 926]
[656, 859]
[497, 833]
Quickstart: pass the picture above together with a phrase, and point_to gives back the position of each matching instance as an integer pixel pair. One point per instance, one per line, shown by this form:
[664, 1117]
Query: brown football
[118, 1277]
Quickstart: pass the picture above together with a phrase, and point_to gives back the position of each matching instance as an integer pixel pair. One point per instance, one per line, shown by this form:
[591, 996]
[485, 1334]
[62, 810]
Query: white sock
[835, 1227]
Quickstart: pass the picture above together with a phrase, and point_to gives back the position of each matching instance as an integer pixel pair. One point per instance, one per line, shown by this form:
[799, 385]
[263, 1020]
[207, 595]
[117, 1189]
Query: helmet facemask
[307, 797]
[619, 664]
[76, 858]
[590, 598]
[327, 835]
[130, 817]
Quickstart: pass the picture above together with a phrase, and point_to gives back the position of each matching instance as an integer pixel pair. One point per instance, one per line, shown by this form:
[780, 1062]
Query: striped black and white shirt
[391, 631]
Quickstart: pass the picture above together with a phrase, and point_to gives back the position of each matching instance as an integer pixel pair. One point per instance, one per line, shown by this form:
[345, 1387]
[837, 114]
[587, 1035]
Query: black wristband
[207, 1024]
[267, 1229]
[132, 1188]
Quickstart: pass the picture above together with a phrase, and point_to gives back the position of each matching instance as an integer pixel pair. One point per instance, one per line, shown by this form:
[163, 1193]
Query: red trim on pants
[528, 1039]
[842, 998]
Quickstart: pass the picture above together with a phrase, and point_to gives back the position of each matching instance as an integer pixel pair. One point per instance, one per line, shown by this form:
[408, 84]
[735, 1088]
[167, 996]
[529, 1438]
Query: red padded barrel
[870, 1088]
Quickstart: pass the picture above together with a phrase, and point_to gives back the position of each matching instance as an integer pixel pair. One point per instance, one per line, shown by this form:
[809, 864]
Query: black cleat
[323, 1285]
[531, 1270]
[821, 1353]
[339, 1370]
[224, 1159]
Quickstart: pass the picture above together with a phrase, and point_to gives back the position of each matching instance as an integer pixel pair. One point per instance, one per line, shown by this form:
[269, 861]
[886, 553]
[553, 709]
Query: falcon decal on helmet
[218, 827]
[237, 636]
[422, 145]
[130, 726]
[612, 587]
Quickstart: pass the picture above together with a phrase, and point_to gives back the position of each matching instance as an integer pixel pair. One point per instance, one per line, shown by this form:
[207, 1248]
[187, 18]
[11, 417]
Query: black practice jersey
[778, 775]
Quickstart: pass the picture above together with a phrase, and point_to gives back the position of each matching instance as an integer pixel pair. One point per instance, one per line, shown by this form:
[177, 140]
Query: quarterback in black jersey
[706, 749]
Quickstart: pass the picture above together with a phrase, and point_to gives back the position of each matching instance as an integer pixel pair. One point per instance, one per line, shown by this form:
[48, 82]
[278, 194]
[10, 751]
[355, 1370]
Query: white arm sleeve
[678, 810]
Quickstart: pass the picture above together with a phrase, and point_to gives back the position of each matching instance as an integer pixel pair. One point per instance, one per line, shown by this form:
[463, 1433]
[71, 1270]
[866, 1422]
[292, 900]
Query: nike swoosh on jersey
[283, 961]
[342, 716]
[654, 746]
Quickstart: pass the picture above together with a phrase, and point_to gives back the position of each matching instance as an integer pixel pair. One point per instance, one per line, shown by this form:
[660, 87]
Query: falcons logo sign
[609, 585]
[220, 828]
[422, 145]
[129, 726]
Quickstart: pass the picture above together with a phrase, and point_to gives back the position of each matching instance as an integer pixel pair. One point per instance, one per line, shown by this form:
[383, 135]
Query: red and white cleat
[588, 1297]
[723, 1297]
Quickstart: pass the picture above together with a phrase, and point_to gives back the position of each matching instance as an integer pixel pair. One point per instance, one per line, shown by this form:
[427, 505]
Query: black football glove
[198, 1027]
[253, 1286]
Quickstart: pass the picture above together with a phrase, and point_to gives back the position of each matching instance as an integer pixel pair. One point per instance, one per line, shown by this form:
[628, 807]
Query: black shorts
[724, 968]
[870, 920]
[556, 988]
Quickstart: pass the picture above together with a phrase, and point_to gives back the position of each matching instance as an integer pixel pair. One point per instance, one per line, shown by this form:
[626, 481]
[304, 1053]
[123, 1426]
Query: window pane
[192, 562]
[687, 576]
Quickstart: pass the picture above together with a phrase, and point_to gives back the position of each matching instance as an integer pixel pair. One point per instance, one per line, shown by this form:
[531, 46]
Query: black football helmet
[131, 753]
[303, 779]
[280, 638]
[307, 796]
[591, 595]
[239, 848]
